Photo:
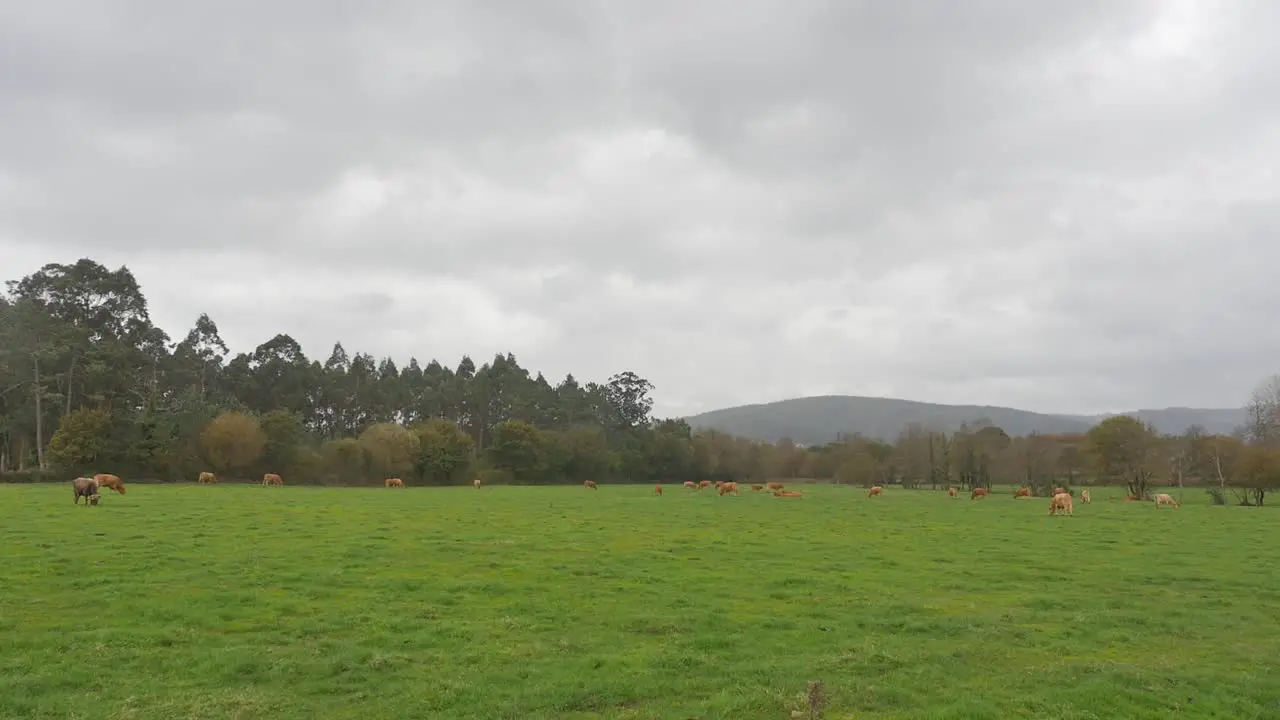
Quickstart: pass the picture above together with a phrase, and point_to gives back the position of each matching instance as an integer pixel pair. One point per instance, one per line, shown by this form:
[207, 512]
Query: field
[250, 602]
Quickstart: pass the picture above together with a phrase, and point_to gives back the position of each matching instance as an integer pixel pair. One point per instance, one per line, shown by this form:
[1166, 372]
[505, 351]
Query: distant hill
[1175, 420]
[817, 420]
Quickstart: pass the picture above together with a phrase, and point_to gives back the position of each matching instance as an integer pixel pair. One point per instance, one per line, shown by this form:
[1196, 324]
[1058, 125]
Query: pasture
[239, 601]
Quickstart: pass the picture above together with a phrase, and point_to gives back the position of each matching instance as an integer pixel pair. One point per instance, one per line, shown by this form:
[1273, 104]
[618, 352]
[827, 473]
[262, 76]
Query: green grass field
[512, 602]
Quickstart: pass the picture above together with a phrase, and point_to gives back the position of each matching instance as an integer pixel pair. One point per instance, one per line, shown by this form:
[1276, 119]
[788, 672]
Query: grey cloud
[1064, 206]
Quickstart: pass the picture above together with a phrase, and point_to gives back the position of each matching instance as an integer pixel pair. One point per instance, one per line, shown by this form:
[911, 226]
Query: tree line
[88, 383]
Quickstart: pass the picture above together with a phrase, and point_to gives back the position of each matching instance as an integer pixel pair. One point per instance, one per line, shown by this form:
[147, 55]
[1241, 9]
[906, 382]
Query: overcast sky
[1058, 206]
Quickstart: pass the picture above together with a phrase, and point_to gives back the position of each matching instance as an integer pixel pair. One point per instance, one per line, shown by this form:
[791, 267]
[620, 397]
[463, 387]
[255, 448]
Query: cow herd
[89, 487]
[1061, 501]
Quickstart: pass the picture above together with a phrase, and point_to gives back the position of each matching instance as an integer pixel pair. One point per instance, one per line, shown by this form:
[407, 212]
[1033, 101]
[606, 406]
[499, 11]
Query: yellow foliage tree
[233, 442]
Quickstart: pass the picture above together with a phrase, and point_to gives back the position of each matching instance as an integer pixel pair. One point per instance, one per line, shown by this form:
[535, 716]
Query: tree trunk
[71, 376]
[39, 415]
[22, 453]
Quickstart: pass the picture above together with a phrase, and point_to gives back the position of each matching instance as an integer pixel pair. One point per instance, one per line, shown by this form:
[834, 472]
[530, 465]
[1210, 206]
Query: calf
[1165, 499]
[110, 481]
[729, 488]
[786, 493]
[590, 484]
[1084, 496]
[1022, 492]
[757, 488]
[394, 483]
[979, 492]
[704, 484]
[657, 489]
[877, 490]
[691, 485]
[775, 486]
[86, 488]
[953, 492]
[208, 478]
[272, 479]
[1061, 503]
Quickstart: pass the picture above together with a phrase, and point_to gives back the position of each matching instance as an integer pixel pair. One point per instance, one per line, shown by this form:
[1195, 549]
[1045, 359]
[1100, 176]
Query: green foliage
[520, 449]
[32, 475]
[444, 451]
[82, 439]
[285, 438]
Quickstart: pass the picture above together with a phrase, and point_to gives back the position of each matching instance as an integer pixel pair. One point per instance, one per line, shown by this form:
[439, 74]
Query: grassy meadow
[239, 601]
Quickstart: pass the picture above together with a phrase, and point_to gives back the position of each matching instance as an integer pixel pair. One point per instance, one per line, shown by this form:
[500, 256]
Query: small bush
[33, 476]
[1217, 496]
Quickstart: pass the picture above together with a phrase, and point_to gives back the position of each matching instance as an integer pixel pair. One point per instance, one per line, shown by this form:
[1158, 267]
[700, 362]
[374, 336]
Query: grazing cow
[86, 488]
[1084, 496]
[589, 483]
[109, 481]
[786, 493]
[757, 488]
[979, 492]
[1059, 491]
[1165, 499]
[704, 484]
[394, 482]
[272, 479]
[775, 486]
[877, 490]
[208, 478]
[1022, 492]
[728, 488]
[690, 485]
[1061, 503]
[657, 489]
[719, 483]
[953, 492]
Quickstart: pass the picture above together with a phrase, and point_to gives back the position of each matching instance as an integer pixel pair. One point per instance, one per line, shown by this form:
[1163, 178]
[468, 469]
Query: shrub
[33, 476]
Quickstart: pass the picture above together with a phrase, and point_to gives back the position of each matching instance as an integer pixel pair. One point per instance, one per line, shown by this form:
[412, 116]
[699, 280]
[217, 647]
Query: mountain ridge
[820, 419]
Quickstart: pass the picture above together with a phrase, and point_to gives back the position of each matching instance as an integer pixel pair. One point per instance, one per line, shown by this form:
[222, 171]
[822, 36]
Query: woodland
[88, 383]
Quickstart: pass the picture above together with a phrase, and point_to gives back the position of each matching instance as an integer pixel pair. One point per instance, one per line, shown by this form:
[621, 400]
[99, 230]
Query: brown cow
[208, 478]
[476, 483]
[757, 488]
[589, 483]
[1061, 503]
[786, 493]
[877, 490]
[394, 482]
[775, 486]
[657, 489]
[1022, 493]
[1059, 491]
[704, 484]
[979, 492]
[953, 492]
[86, 488]
[691, 485]
[1084, 496]
[1165, 499]
[729, 487]
[272, 479]
[110, 481]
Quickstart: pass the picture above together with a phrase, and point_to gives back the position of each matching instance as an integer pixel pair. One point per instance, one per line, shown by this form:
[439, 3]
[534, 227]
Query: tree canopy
[88, 383]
